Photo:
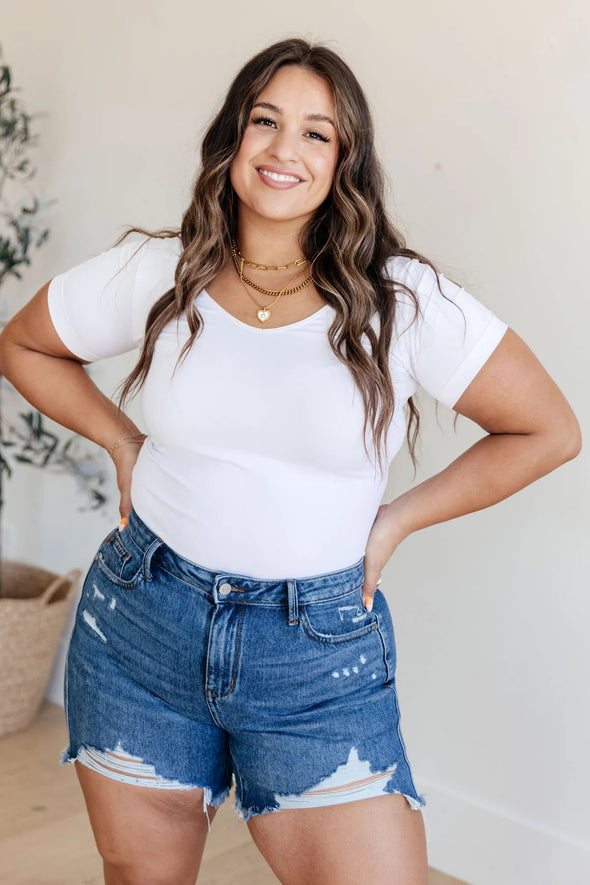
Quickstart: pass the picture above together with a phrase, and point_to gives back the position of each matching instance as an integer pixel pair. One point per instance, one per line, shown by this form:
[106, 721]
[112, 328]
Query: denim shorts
[180, 677]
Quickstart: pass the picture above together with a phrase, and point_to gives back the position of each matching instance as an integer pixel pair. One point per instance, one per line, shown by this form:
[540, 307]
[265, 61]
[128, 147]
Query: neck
[268, 242]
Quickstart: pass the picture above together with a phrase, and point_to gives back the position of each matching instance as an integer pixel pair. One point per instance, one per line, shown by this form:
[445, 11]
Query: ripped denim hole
[121, 766]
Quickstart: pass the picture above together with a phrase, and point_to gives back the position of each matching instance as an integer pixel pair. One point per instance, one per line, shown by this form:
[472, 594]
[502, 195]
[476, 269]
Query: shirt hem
[474, 361]
[61, 324]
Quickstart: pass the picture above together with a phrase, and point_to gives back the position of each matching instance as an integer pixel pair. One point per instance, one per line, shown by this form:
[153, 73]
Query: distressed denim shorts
[180, 677]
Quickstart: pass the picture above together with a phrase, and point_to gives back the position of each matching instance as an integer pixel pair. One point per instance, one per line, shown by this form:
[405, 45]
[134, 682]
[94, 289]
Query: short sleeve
[448, 342]
[99, 308]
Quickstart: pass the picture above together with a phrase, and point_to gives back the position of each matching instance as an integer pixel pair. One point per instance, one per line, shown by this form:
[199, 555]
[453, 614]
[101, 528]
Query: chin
[280, 213]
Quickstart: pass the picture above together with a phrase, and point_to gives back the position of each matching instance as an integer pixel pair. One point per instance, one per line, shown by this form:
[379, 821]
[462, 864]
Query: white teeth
[276, 177]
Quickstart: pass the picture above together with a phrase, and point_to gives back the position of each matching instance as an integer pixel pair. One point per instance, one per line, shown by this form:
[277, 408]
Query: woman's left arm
[531, 431]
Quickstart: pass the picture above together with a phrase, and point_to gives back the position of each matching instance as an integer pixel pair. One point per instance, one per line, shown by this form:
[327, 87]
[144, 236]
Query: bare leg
[145, 835]
[377, 841]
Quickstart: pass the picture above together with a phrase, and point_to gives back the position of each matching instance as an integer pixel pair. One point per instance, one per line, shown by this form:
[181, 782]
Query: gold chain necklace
[299, 262]
[239, 265]
[264, 312]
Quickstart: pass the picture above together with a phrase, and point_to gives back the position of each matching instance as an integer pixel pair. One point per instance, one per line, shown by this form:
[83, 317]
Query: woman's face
[285, 165]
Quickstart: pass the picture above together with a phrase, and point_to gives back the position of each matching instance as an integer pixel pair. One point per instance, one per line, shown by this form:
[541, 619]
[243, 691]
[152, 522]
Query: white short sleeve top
[254, 462]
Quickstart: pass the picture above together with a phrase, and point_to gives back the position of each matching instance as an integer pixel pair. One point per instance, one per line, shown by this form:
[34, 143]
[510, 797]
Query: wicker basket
[34, 604]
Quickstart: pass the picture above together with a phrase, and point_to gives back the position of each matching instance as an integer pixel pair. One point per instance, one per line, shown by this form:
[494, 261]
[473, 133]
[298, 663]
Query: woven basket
[34, 604]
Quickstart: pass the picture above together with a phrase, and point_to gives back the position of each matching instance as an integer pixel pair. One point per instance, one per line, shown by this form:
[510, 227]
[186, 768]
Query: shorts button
[224, 589]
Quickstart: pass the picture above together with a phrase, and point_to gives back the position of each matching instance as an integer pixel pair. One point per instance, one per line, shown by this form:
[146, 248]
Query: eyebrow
[316, 118]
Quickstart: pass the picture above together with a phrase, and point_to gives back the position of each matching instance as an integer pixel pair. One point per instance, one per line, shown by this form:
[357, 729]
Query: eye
[265, 121]
[318, 136]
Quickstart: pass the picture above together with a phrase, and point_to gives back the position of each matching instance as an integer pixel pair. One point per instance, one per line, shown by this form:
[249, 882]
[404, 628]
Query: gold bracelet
[137, 437]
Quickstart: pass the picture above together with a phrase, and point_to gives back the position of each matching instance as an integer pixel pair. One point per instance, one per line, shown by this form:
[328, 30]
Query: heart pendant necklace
[264, 313]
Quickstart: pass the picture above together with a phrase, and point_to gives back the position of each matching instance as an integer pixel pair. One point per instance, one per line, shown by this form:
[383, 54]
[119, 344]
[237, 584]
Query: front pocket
[338, 620]
[120, 559]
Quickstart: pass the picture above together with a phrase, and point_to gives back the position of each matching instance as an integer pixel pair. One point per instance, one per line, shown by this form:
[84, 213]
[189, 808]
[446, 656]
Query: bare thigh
[145, 835]
[377, 841]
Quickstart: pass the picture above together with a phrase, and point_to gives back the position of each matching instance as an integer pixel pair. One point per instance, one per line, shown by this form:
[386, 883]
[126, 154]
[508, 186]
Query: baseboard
[482, 845]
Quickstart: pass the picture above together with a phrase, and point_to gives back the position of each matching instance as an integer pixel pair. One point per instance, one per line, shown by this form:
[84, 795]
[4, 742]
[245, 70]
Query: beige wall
[482, 118]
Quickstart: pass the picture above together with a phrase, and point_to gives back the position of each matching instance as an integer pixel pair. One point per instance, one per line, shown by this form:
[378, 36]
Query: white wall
[481, 110]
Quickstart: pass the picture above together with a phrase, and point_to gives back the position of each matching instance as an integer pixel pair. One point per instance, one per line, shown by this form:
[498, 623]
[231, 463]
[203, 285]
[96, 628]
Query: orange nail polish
[123, 523]
[368, 603]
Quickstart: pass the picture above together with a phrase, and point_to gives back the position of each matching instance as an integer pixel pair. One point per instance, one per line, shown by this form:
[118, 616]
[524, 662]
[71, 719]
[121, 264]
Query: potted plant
[25, 435]
[33, 602]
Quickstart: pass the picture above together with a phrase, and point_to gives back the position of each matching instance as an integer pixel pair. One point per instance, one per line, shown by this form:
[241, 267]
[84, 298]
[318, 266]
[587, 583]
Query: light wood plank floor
[45, 838]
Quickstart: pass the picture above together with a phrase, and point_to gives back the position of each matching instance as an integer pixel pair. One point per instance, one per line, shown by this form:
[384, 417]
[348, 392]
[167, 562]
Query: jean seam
[391, 685]
[388, 673]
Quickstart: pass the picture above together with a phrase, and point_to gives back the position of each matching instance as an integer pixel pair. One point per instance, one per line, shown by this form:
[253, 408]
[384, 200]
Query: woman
[232, 626]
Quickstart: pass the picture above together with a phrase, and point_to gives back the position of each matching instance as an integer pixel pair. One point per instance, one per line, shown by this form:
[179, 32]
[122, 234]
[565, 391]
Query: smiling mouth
[276, 176]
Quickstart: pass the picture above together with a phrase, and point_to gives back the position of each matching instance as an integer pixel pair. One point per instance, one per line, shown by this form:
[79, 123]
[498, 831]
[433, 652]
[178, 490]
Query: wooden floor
[45, 838]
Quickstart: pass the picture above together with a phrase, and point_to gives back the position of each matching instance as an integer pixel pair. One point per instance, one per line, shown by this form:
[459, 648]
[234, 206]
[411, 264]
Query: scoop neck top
[310, 319]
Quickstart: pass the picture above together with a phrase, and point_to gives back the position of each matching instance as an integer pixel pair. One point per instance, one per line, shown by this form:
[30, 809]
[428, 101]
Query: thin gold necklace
[264, 312]
[298, 262]
[239, 265]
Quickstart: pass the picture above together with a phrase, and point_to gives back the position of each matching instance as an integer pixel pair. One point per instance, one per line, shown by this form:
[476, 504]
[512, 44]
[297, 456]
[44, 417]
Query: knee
[123, 871]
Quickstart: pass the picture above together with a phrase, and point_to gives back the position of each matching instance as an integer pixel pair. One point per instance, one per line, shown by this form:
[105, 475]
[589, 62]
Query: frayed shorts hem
[244, 813]
[90, 757]
[87, 756]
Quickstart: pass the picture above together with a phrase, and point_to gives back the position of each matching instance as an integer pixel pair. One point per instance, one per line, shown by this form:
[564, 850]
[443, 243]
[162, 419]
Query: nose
[283, 146]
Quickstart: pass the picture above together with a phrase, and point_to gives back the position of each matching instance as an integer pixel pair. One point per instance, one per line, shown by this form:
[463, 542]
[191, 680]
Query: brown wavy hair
[349, 241]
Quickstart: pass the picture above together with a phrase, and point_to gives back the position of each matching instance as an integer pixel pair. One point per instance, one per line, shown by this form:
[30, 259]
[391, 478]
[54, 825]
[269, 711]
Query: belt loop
[293, 603]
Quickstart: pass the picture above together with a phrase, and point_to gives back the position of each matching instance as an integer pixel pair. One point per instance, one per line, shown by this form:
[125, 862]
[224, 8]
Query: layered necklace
[264, 311]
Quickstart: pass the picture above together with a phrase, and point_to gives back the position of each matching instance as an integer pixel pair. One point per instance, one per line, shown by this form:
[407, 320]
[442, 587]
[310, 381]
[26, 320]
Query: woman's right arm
[53, 379]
